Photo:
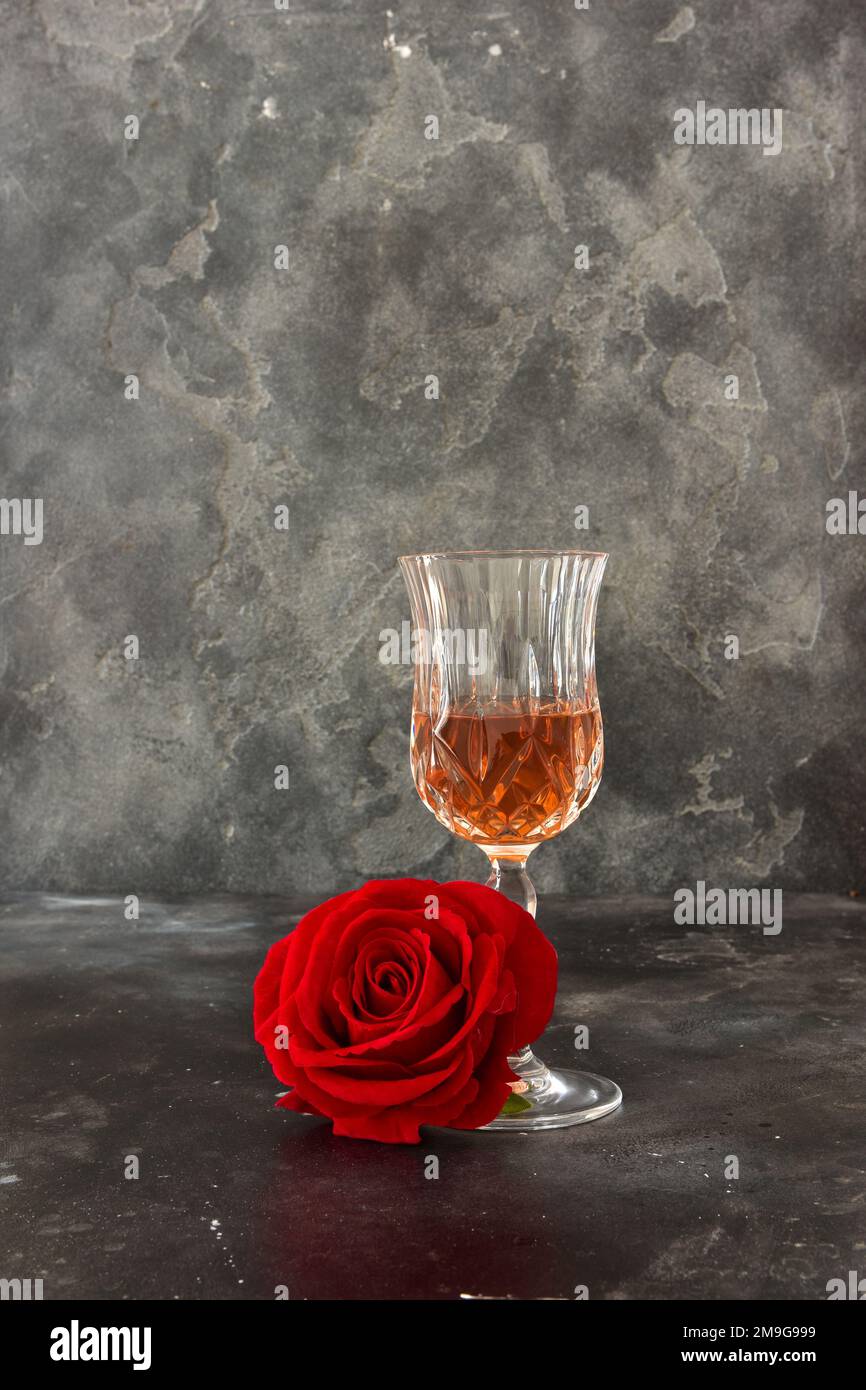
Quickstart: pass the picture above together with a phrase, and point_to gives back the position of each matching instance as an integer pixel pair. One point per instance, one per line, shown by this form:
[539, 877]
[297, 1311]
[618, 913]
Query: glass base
[555, 1099]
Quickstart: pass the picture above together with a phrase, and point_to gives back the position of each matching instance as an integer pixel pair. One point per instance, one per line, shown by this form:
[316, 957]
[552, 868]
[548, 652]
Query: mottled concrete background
[305, 387]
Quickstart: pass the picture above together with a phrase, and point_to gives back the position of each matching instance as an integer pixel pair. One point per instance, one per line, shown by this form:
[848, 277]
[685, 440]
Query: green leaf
[515, 1105]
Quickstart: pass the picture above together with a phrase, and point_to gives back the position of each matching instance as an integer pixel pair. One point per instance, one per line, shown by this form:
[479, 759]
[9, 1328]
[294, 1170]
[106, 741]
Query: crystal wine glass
[507, 745]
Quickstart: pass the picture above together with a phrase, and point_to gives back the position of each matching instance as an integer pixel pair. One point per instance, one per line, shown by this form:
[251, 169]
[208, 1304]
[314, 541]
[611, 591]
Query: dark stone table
[123, 1038]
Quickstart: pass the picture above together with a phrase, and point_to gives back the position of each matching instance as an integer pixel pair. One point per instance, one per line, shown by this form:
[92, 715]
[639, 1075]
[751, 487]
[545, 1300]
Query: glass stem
[508, 875]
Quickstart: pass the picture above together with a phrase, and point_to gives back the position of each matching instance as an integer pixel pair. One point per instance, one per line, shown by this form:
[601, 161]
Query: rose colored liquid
[508, 778]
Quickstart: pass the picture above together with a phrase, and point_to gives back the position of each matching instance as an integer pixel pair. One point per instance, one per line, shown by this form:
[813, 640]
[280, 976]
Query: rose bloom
[397, 1004]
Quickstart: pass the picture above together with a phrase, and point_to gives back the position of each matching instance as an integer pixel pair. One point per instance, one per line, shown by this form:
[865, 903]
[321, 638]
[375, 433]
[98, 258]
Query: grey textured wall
[305, 386]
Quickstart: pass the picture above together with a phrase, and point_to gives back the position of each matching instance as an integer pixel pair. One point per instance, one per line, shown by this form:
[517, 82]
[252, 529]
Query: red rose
[384, 1018]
